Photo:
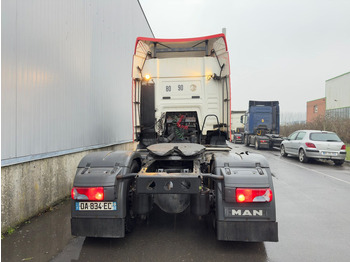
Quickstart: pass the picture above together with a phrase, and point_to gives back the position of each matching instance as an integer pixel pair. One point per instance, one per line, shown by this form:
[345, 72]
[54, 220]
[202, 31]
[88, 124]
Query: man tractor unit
[181, 120]
[262, 124]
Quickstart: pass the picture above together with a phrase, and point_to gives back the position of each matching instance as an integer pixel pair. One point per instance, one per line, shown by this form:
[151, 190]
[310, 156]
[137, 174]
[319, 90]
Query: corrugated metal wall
[338, 96]
[66, 75]
[338, 92]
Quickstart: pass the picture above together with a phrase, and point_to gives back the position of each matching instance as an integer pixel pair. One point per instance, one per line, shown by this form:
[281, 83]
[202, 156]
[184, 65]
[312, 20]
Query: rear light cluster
[88, 193]
[311, 145]
[263, 141]
[343, 147]
[248, 195]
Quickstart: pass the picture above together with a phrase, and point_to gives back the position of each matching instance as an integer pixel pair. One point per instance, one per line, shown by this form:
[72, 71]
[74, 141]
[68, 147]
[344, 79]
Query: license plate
[329, 153]
[95, 206]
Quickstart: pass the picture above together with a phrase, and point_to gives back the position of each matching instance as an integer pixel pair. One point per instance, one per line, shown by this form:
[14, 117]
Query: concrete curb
[32, 187]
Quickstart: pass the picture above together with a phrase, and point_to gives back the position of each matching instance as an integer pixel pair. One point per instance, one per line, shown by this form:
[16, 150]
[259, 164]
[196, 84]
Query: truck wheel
[302, 157]
[257, 146]
[246, 141]
[283, 151]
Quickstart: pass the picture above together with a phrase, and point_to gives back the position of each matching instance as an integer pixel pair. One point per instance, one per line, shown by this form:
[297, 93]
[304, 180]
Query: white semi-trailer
[181, 118]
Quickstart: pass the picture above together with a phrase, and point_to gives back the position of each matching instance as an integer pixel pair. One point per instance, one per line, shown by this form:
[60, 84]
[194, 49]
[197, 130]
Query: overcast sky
[281, 50]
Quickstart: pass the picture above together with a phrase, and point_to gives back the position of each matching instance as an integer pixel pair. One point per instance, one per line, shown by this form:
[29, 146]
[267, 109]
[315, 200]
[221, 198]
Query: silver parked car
[317, 144]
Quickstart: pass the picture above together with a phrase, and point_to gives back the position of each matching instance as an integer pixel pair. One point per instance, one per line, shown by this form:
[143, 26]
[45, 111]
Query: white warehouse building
[65, 90]
[338, 96]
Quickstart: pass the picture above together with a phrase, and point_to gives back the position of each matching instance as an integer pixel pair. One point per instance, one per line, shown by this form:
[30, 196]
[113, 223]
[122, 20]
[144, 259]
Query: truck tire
[257, 146]
[246, 142]
[283, 151]
[302, 157]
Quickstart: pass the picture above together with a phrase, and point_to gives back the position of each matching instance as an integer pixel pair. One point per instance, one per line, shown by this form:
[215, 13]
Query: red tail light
[88, 193]
[311, 145]
[238, 137]
[247, 195]
[262, 141]
[343, 147]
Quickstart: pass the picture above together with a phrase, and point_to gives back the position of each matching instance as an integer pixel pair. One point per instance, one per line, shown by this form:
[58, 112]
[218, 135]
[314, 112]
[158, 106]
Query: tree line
[341, 126]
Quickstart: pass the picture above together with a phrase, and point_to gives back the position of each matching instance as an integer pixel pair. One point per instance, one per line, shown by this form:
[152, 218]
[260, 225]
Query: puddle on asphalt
[41, 238]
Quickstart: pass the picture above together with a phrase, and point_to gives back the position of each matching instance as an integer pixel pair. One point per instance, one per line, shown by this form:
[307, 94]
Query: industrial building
[315, 108]
[338, 96]
[337, 100]
[65, 90]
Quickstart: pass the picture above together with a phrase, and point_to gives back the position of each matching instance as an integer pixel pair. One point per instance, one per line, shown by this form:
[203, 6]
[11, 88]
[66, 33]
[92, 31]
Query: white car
[316, 144]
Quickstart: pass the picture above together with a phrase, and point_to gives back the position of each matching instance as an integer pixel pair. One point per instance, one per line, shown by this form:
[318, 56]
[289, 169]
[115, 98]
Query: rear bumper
[98, 227]
[255, 231]
[237, 140]
[317, 154]
[264, 145]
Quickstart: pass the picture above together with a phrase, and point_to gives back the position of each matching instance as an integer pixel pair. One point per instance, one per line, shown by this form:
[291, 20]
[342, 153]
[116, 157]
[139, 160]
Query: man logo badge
[240, 212]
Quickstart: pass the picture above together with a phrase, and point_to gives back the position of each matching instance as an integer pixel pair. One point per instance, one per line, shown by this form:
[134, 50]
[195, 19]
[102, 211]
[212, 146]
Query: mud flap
[113, 172]
[249, 221]
[247, 231]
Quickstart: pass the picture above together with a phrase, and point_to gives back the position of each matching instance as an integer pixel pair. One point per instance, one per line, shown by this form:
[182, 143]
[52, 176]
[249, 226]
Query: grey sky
[279, 49]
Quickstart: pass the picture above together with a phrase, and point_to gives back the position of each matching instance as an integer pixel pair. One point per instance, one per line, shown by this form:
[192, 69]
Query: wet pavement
[40, 238]
[312, 211]
[167, 237]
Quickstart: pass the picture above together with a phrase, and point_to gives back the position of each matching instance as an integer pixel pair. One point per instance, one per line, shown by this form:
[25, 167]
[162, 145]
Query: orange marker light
[99, 196]
[241, 198]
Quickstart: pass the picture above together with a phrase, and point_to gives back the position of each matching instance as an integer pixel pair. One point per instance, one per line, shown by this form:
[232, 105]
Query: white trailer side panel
[66, 75]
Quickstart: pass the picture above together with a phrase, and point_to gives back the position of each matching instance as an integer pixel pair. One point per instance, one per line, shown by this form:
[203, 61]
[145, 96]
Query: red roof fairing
[179, 40]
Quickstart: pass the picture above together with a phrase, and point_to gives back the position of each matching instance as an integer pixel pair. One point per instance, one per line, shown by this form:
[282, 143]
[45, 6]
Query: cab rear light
[311, 145]
[343, 147]
[262, 141]
[248, 195]
[88, 193]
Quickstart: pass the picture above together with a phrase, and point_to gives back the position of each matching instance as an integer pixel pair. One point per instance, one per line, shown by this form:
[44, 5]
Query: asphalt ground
[312, 211]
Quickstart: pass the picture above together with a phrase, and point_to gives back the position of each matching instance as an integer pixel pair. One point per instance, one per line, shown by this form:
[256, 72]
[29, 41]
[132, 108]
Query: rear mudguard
[110, 170]
[253, 222]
